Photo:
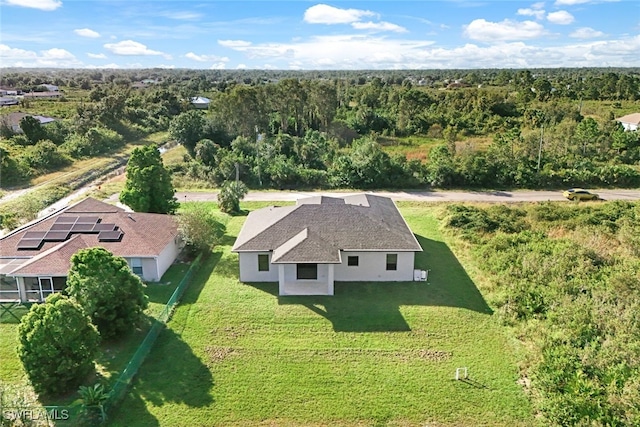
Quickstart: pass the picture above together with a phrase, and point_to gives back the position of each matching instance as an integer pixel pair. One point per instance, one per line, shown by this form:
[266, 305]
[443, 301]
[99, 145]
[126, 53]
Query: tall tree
[107, 290]
[56, 344]
[148, 187]
[188, 128]
[32, 129]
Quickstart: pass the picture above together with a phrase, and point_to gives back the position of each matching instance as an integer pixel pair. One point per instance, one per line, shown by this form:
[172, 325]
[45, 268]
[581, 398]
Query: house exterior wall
[154, 268]
[249, 268]
[167, 257]
[372, 267]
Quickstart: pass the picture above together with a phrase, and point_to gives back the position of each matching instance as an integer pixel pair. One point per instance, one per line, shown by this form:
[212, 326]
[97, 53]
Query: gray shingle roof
[362, 222]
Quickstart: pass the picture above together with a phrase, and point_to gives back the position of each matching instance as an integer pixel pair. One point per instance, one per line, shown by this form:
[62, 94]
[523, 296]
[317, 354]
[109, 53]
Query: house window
[9, 288]
[353, 261]
[307, 271]
[392, 261]
[263, 262]
[136, 266]
[46, 286]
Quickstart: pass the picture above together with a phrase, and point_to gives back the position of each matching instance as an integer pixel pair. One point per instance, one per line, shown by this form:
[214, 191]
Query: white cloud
[56, 53]
[571, 2]
[586, 33]
[325, 14]
[183, 16]
[486, 31]
[100, 67]
[97, 55]
[55, 57]
[561, 17]
[219, 66]
[378, 26]
[132, 48]
[241, 67]
[234, 43]
[10, 52]
[206, 58]
[86, 32]
[47, 5]
[340, 52]
[537, 13]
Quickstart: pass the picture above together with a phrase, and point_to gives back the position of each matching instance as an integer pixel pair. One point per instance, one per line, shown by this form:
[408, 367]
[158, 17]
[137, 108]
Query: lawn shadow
[187, 381]
[200, 277]
[375, 306]
[448, 283]
[171, 374]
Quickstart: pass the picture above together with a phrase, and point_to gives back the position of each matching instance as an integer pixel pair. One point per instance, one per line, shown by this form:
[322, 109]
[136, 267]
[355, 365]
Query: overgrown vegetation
[568, 278]
[548, 128]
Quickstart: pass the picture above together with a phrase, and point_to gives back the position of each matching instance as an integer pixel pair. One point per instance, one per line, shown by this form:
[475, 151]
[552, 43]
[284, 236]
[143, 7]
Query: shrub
[230, 195]
[56, 345]
[108, 291]
[200, 228]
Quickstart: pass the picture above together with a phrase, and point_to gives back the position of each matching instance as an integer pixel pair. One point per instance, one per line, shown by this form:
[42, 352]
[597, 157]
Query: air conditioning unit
[420, 275]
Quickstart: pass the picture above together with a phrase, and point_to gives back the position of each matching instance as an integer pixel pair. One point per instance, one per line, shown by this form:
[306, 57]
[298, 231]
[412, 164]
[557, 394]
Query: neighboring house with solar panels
[35, 259]
[309, 246]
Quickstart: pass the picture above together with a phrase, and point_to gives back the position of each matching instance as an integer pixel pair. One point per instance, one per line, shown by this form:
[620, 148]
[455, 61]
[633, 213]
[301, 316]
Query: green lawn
[113, 356]
[373, 354]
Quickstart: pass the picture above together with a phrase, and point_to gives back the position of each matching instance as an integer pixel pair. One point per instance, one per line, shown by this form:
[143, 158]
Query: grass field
[374, 354]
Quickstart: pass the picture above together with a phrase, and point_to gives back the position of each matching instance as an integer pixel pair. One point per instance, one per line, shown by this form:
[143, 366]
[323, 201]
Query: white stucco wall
[249, 268]
[167, 257]
[372, 267]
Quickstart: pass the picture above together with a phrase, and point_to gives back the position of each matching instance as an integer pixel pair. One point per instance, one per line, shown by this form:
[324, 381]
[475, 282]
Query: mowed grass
[374, 354]
[112, 357]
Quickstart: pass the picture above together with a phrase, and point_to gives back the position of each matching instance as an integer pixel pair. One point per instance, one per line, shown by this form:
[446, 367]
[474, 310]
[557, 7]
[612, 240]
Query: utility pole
[540, 149]
[258, 154]
[237, 173]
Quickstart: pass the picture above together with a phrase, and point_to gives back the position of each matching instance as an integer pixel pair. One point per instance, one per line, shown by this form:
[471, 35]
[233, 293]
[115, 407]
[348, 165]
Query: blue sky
[319, 35]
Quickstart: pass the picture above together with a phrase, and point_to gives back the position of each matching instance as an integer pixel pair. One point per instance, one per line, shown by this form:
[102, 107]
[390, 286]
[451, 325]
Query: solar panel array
[64, 226]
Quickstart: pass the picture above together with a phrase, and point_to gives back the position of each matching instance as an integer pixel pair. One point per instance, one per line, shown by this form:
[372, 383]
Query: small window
[353, 261]
[263, 262]
[136, 266]
[392, 261]
[307, 271]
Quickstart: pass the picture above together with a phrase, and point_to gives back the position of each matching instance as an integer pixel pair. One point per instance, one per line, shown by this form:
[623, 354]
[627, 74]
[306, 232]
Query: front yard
[373, 354]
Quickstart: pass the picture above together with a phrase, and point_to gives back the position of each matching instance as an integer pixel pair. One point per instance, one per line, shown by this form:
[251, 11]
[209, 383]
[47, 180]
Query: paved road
[423, 196]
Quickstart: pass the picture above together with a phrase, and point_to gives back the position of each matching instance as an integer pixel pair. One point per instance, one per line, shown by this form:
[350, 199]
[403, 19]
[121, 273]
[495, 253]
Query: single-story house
[200, 102]
[630, 121]
[35, 259]
[306, 247]
[47, 94]
[6, 100]
[12, 120]
[50, 87]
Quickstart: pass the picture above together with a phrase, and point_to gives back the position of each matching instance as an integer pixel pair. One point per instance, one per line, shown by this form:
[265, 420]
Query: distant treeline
[321, 128]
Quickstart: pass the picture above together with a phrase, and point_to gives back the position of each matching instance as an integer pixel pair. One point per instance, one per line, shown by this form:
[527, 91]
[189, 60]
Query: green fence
[123, 382]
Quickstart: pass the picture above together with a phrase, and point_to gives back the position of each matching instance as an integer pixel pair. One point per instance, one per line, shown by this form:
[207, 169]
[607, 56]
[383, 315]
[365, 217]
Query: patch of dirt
[218, 354]
[424, 354]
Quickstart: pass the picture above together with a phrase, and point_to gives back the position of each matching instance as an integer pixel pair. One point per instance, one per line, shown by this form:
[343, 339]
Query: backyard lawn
[112, 357]
[373, 354]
